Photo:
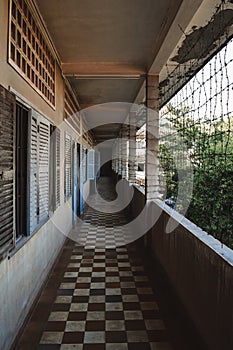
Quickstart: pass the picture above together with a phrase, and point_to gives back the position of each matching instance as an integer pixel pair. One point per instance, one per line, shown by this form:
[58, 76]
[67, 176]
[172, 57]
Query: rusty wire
[201, 113]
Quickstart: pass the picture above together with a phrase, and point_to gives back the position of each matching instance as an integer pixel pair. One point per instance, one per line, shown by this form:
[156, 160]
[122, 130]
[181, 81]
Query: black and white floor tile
[99, 296]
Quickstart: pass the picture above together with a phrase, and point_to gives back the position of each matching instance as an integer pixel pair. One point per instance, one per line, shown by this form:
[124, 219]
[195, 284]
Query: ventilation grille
[29, 53]
[71, 110]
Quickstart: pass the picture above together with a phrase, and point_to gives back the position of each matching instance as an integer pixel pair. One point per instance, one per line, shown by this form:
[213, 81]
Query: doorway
[76, 183]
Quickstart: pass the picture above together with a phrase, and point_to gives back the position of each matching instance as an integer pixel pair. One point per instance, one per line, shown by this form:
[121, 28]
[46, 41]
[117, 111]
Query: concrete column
[127, 156]
[114, 158]
[124, 151]
[119, 155]
[132, 148]
[115, 155]
[152, 138]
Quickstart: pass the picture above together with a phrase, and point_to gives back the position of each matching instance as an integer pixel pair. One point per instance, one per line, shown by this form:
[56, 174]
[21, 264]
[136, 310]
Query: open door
[76, 182]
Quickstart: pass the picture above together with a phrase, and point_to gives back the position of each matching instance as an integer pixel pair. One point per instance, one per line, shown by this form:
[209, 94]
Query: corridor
[100, 298]
[116, 163]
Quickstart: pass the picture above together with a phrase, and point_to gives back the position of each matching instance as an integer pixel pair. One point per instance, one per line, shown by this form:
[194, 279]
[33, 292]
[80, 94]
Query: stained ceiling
[106, 47]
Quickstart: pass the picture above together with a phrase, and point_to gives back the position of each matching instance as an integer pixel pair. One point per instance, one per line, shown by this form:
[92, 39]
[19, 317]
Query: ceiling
[106, 47]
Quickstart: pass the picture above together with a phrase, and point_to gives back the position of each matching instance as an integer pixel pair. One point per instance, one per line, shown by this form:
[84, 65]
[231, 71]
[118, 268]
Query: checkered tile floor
[104, 225]
[105, 301]
[102, 230]
[100, 299]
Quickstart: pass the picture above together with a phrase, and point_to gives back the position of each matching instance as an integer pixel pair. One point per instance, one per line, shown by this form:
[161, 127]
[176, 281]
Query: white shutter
[58, 167]
[97, 164]
[43, 175]
[33, 151]
[81, 166]
[84, 165]
[81, 181]
[91, 164]
[68, 153]
[7, 132]
[39, 169]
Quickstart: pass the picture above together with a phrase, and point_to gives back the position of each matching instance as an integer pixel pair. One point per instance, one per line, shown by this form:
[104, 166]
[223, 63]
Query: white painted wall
[86, 189]
[22, 276]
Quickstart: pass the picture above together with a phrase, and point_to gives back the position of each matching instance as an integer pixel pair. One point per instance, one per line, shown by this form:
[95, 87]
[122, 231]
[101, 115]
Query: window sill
[21, 241]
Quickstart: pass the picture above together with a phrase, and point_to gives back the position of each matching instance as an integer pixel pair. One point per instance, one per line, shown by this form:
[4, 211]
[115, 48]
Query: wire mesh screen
[141, 155]
[196, 147]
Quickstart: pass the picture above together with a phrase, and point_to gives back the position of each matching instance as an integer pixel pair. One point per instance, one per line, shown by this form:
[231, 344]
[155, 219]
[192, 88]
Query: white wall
[25, 272]
[86, 189]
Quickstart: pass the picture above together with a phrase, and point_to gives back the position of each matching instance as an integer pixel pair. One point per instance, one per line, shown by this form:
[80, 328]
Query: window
[68, 157]
[29, 53]
[7, 132]
[97, 164]
[84, 164]
[54, 169]
[58, 168]
[91, 164]
[21, 189]
[25, 161]
[39, 170]
[71, 109]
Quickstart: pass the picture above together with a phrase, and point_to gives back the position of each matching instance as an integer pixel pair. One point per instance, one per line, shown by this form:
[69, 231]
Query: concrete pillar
[124, 161]
[127, 156]
[114, 158]
[132, 148]
[152, 138]
[119, 155]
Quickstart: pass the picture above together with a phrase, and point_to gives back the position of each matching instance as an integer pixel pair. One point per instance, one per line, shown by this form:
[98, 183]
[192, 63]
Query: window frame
[39, 171]
[7, 172]
[19, 143]
[54, 169]
[68, 166]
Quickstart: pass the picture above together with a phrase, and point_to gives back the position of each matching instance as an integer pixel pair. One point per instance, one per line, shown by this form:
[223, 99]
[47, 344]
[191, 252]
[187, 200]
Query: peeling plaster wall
[201, 41]
[206, 33]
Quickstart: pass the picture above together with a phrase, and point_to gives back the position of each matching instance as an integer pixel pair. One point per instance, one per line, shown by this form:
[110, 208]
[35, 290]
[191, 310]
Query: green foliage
[210, 147]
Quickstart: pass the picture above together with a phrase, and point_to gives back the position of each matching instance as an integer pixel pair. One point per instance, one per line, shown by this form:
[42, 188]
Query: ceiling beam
[185, 14]
[183, 17]
[114, 69]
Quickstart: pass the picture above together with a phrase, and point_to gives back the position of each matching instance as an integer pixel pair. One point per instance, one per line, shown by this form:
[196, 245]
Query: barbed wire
[198, 46]
[201, 112]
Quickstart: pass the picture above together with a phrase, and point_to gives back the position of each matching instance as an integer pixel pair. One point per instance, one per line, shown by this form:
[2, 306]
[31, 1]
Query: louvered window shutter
[33, 151]
[7, 132]
[67, 166]
[97, 164]
[58, 167]
[91, 164]
[39, 170]
[81, 179]
[84, 160]
[43, 175]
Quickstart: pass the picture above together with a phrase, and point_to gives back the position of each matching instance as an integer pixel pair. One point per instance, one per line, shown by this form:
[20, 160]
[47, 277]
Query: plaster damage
[203, 40]
[197, 47]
